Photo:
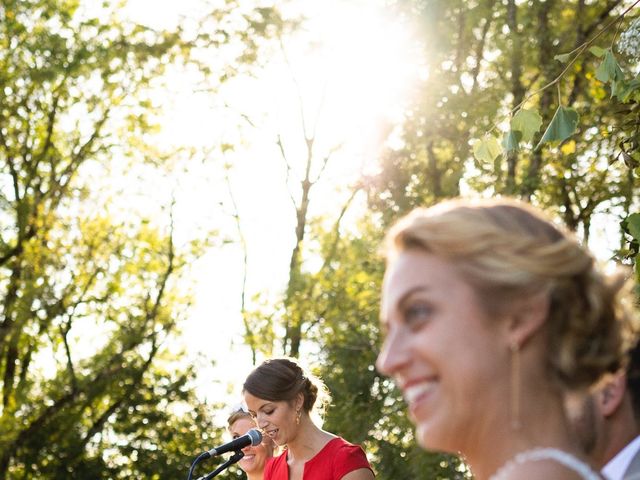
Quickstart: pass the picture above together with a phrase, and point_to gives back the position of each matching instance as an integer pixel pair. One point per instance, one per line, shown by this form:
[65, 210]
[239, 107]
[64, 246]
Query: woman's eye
[268, 412]
[417, 313]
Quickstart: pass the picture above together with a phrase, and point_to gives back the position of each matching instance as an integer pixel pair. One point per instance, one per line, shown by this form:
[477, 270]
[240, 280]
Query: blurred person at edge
[606, 421]
[280, 396]
[255, 457]
[492, 314]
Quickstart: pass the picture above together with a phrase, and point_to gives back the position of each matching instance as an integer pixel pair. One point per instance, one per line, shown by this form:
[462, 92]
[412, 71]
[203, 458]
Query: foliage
[494, 54]
[621, 127]
[565, 120]
[92, 296]
[631, 227]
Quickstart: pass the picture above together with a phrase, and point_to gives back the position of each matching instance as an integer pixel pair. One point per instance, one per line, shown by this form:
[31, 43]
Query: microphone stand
[200, 457]
[252, 437]
[233, 459]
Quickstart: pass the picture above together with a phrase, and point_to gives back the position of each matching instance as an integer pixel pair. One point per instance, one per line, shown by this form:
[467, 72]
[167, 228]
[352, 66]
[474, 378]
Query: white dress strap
[564, 458]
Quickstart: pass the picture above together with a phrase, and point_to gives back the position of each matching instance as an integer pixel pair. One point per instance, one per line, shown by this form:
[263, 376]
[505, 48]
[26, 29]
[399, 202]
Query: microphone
[253, 437]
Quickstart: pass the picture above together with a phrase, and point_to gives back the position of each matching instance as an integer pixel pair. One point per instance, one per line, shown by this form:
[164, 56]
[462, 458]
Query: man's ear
[526, 317]
[609, 393]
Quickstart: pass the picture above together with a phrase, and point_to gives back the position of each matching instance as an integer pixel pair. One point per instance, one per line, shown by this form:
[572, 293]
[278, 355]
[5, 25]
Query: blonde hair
[240, 413]
[507, 250]
[237, 415]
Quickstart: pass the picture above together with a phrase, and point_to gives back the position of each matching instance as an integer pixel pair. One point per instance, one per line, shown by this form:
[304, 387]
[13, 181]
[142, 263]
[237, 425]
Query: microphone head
[255, 436]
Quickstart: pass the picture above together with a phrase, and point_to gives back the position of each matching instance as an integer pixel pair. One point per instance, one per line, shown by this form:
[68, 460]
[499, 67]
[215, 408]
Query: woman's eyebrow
[405, 296]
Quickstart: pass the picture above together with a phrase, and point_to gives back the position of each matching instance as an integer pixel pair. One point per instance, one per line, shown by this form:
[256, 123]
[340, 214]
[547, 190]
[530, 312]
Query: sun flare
[341, 81]
[352, 75]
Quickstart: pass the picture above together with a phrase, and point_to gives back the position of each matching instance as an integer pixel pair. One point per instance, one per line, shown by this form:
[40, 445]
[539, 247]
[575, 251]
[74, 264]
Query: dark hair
[282, 379]
[633, 379]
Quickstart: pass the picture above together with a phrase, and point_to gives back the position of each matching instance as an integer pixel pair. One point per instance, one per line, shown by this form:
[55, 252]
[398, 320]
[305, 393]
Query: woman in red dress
[280, 396]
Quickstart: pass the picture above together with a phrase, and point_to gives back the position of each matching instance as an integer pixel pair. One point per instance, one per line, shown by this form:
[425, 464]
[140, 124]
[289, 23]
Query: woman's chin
[249, 464]
[422, 437]
[428, 439]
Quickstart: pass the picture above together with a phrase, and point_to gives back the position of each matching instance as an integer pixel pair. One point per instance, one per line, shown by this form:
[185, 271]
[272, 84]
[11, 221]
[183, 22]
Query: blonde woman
[492, 314]
[255, 457]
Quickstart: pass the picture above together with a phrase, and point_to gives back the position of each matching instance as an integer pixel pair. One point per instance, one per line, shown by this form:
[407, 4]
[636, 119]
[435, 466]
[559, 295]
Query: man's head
[607, 418]
[633, 381]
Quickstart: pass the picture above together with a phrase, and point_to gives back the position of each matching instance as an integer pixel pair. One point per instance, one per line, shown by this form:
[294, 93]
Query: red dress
[334, 461]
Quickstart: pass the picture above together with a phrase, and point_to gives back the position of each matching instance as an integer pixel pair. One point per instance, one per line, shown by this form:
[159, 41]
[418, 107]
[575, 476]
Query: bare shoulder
[548, 469]
[360, 474]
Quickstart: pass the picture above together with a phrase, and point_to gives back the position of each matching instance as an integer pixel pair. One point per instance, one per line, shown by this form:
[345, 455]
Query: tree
[306, 162]
[492, 64]
[91, 296]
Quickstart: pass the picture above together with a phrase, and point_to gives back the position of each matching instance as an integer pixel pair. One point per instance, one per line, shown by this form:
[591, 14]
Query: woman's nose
[393, 354]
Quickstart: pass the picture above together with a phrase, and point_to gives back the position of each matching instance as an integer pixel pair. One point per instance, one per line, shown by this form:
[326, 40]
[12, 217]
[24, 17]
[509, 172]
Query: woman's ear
[299, 402]
[526, 317]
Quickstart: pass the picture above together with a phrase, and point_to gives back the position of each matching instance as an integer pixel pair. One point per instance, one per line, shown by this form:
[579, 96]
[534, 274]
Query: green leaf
[619, 89]
[528, 122]
[562, 125]
[563, 57]
[487, 149]
[609, 70]
[597, 51]
[511, 140]
[633, 225]
[624, 90]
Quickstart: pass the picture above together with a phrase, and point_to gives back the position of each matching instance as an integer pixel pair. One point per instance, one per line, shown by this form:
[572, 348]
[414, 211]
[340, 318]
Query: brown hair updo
[282, 379]
[507, 250]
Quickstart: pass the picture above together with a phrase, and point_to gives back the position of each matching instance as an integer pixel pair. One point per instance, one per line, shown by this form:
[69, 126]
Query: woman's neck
[309, 440]
[542, 424]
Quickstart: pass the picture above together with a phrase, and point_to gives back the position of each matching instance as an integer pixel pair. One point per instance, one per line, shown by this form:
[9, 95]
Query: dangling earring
[515, 386]
[298, 415]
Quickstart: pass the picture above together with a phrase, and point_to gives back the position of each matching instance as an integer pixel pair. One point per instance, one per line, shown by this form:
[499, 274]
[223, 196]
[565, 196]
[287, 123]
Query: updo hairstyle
[282, 379]
[507, 250]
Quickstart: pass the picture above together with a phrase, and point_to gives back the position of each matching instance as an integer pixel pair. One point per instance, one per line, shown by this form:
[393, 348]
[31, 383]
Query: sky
[347, 73]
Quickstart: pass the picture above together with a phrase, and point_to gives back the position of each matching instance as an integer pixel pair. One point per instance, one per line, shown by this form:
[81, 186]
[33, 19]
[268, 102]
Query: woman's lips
[415, 393]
